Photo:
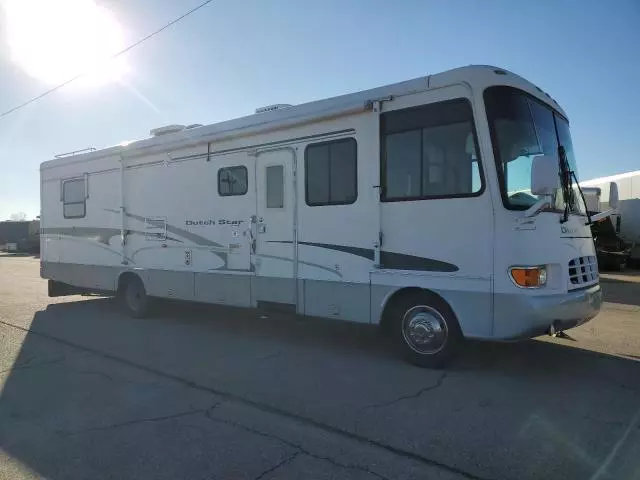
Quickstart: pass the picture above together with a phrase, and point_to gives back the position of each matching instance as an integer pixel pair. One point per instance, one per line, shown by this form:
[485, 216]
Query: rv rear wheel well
[125, 278]
[398, 297]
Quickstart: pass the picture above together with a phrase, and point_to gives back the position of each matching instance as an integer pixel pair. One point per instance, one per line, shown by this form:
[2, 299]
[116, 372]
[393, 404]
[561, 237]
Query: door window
[275, 186]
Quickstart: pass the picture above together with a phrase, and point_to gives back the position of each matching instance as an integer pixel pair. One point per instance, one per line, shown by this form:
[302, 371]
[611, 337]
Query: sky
[233, 56]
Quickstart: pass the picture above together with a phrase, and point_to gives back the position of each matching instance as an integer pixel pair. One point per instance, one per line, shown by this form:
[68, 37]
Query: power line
[133, 45]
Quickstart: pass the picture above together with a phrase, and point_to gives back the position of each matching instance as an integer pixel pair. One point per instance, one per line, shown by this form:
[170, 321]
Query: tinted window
[232, 181]
[404, 164]
[331, 172]
[74, 198]
[74, 210]
[430, 152]
[275, 186]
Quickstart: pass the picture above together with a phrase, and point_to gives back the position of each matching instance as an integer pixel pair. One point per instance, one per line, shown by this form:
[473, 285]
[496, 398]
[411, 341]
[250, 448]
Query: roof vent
[156, 132]
[270, 108]
[193, 125]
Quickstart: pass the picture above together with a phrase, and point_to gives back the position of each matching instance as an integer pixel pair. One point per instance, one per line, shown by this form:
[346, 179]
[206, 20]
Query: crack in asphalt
[28, 365]
[417, 394]
[299, 448]
[29, 359]
[263, 407]
[135, 421]
[269, 356]
[423, 390]
[278, 465]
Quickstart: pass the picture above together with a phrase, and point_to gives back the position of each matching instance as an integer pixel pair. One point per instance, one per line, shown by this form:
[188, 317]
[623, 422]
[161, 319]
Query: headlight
[529, 277]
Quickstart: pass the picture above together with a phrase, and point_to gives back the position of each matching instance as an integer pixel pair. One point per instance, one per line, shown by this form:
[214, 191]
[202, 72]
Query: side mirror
[544, 175]
[613, 195]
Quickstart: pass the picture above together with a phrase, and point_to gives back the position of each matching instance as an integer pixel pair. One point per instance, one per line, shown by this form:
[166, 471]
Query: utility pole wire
[121, 52]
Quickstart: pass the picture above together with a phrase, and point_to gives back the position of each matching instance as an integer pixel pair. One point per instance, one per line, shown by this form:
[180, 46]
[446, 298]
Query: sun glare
[54, 41]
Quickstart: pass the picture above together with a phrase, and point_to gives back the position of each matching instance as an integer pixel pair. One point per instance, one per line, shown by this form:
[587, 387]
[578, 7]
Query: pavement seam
[298, 447]
[259, 406]
[110, 378]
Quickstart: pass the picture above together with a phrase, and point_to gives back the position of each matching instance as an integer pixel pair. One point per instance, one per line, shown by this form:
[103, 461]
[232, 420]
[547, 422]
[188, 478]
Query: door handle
[262, 228]
[252, 236]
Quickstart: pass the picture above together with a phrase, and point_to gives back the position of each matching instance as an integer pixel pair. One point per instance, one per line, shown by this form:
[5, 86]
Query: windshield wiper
[567, 175]
[566, 179]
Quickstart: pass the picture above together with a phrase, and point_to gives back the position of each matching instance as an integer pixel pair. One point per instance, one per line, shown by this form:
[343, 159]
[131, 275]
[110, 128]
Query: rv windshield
[522, 128]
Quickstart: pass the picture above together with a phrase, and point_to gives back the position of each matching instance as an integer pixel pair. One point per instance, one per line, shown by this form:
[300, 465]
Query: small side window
[74, 198]
[232, 181]
[275, 186]
[331, 172]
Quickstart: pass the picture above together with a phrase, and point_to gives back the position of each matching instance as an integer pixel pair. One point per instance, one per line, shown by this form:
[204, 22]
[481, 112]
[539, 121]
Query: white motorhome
[432, 207]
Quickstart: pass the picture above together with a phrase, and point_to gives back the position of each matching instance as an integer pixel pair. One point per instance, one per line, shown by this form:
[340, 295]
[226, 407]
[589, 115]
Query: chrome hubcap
[424, 329]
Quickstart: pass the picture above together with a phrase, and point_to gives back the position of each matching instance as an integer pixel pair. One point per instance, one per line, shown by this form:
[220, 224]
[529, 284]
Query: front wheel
[135, 298]
[426, 331]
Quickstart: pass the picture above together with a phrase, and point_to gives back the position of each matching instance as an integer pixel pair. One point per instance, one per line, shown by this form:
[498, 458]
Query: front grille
[583, 270]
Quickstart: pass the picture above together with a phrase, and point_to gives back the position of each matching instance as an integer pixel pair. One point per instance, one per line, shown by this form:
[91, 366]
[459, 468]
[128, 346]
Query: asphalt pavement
[209, 392]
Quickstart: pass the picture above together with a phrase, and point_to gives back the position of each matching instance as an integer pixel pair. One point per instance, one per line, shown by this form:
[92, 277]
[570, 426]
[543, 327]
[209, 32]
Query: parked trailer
[412, 206]
[627, 218]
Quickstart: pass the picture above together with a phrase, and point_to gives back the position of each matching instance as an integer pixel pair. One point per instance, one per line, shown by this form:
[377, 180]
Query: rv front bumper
[518, 316]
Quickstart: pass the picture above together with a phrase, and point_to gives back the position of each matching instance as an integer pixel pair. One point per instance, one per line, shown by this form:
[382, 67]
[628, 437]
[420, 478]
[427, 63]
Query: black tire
[425, 330]
[134, 297]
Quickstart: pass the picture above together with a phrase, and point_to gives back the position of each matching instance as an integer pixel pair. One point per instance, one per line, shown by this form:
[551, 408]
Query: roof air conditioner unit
[271, 108]
[156, 132]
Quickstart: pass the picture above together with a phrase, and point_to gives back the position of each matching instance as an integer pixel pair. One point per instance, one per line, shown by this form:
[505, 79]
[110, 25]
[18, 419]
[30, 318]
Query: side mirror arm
[536, 207]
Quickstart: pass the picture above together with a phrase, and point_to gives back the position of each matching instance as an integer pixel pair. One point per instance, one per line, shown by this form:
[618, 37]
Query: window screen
[430, 152]
[275, 186]
[331, 172]
[74, 198]
[232, 181]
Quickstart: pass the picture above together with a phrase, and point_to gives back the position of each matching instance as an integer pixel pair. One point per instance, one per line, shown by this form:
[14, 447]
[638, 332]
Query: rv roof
[301, 113]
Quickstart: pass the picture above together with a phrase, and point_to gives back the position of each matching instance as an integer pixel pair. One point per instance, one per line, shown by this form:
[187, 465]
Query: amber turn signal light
[529, 277]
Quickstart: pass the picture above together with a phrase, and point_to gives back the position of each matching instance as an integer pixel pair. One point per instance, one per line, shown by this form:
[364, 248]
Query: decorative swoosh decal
[101, 235]
[316, 265]
[197, 239]
[391, 260]
[402, 261]
[360, 252]
[98, 244]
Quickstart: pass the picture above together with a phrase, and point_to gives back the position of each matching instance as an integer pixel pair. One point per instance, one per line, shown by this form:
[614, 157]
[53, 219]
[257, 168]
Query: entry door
[274, 256]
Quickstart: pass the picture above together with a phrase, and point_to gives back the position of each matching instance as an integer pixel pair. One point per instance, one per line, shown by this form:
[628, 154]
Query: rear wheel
[134, 297]
[425, 330]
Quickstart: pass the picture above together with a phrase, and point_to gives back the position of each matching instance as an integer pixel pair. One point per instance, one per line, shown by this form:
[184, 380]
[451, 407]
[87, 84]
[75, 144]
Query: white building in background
[627, 221]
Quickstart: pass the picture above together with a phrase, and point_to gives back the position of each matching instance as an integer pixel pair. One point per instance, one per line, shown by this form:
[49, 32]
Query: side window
[331, 172]
[232, 181]
[74, 198]
[275, 186]
[430, 152]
